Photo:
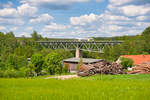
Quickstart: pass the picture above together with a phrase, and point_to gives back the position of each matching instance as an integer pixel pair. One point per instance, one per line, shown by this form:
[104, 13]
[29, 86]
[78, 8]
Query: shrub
[53, 63]
[12, 73]
[79, 64]
[126, 62]
[1, 73]
[37, 60]
[15, 62]
[30, 70]
[65, 69]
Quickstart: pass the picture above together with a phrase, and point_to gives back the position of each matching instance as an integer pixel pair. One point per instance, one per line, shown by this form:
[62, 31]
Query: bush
[1, 73]
[126, 62]
[12, 73]
[30, 70]
[65, 69]
[15, 62]
[37, 60]
[53, 63]
[79, 64]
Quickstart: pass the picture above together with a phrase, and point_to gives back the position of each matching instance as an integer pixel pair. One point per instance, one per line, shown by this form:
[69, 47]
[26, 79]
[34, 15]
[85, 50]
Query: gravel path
[63, 77]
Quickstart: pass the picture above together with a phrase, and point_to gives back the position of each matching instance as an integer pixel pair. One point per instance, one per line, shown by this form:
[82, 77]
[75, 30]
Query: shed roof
[85, 60]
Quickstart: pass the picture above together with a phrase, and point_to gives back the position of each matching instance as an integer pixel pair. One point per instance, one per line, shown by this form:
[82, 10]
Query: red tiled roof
[138, 59]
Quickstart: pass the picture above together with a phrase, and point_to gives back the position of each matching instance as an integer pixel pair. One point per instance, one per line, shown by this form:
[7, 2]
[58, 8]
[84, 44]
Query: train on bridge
[85, 39]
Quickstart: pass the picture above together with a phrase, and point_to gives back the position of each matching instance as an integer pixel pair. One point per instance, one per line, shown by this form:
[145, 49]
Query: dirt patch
[63, 77]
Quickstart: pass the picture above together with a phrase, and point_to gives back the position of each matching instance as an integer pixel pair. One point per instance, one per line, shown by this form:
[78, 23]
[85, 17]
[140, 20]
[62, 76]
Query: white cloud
[142, 24]
[16, 16]
[119, 2]
[35, 2]
[121, 17]
[142, 18]
[26, 10]
[14, 28]
[83, 20]
[6, 12]
[42, 19]
[53, 4]
[26, 34]
[115, 17]
[133, 10]
[100, 0]
[23, 10]
[8, 5]
[12, 21]
[29, 29]
[114, 28]
[54, 27]
[2, 28]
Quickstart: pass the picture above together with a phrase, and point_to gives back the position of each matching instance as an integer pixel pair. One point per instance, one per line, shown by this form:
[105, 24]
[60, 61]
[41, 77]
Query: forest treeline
[15, 51]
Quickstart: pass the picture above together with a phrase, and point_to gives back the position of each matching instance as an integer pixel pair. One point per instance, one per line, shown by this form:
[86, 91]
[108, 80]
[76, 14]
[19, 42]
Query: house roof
[138, 59]
[85, 60]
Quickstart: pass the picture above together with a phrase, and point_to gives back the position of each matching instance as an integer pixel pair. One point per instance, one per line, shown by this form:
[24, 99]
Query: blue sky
[74, 18]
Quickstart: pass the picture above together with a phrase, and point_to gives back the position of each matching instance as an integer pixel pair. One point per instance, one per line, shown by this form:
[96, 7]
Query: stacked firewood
[103, 67]
[106, 67]
[86, 70]
[143, 68]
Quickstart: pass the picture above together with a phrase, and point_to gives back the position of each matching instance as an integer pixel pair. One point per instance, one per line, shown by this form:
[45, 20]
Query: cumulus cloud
[8, 5]
[7, 12]
[13, 28]
[54, 27]
[15, 16]
[114, 28]
[42, 19]
[128, 2]
[2, 28]
[133, 10]
[53, 4]
[142, 18]
[26, 10]
[29, 29]
[26, 34]
[119, 2]
[100, 0]
[23, 10]
[11, 21]
[120, 18]
[83, 20]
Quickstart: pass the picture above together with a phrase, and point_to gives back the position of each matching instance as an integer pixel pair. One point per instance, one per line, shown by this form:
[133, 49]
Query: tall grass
[99, 87]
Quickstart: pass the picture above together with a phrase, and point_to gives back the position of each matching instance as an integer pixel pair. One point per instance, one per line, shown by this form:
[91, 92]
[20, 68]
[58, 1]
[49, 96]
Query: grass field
[99, 87]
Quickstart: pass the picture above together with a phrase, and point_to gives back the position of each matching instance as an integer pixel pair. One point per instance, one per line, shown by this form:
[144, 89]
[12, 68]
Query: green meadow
[98, 87]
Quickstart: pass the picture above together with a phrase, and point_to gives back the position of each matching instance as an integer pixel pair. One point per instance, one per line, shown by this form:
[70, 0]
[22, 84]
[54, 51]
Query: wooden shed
[72, 62]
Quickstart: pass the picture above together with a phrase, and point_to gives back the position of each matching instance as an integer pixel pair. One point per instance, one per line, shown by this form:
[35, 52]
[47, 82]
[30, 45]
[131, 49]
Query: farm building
[72, 62]
[137, 59]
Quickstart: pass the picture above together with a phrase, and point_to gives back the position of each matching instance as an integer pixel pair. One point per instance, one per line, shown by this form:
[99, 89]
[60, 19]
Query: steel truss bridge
[94, 46]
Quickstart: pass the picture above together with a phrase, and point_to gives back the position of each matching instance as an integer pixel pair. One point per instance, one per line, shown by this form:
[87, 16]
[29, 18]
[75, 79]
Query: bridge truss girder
[86, 46]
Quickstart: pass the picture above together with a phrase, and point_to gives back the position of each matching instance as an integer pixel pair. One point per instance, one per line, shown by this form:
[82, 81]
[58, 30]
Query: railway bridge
[94, 46]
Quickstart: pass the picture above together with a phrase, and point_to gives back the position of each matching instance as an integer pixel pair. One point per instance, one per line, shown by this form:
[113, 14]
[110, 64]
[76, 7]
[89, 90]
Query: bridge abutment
[78, 53]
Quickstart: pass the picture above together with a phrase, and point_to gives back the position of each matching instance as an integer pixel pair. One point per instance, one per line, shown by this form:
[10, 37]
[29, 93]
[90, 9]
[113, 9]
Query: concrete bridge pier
[78, 53]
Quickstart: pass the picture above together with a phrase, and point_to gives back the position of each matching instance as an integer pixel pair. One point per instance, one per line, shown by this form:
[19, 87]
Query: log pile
[103, 67]
[86, 70]
[143, 68]
[106, 67]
